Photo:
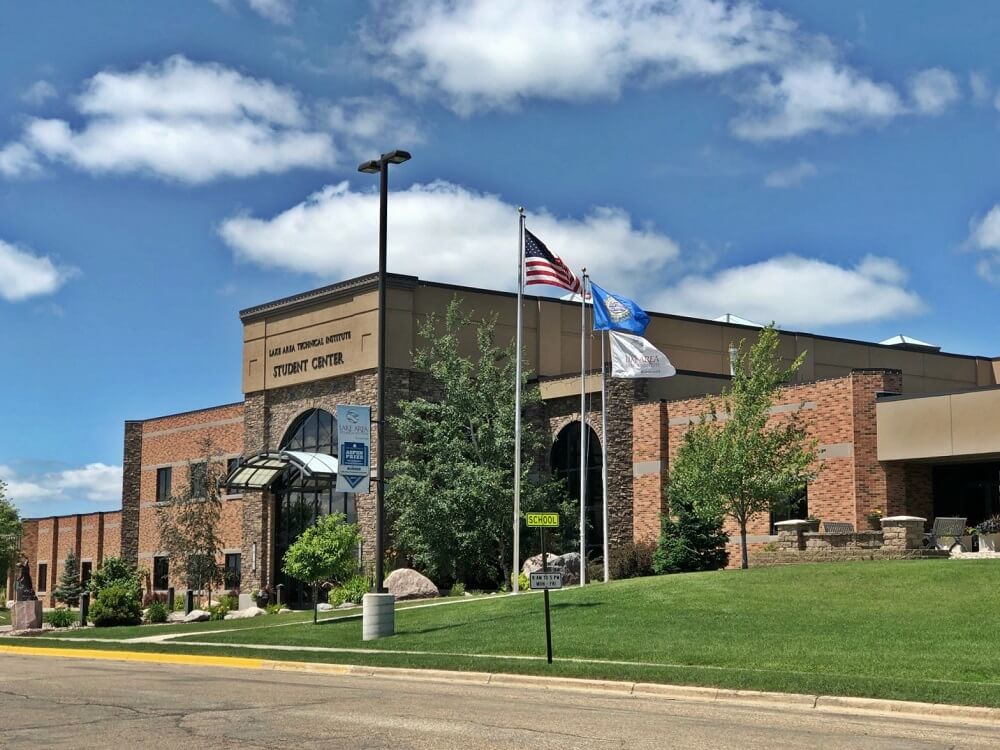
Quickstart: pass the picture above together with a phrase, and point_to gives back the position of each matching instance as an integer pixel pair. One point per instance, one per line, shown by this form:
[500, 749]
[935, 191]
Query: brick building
[902, 427]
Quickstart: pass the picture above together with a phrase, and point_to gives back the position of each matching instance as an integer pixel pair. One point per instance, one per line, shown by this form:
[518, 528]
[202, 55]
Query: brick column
[903, 532]
[650, 443]
[254, 553]
[131, 484]
[873, 487]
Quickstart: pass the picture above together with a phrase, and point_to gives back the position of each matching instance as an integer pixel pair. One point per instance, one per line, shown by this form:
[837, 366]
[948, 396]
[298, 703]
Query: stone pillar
[791, 534]
[131, 486]
[903, 532]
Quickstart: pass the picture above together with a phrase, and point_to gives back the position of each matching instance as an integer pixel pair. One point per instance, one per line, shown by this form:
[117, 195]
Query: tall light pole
[381, 167]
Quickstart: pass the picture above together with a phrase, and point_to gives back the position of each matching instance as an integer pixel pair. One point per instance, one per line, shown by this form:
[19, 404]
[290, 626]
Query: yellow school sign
[542, 520]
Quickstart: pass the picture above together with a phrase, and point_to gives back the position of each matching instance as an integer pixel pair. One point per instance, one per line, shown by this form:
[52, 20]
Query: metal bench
[946, 533]
[838, 527]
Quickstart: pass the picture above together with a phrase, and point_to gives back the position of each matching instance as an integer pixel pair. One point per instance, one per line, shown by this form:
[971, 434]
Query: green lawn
[917, 630]
[4, 617]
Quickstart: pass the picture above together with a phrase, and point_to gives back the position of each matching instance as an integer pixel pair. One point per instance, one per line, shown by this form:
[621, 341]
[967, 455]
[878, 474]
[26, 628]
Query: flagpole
[604, 456]
[583, 428]
[515, 578]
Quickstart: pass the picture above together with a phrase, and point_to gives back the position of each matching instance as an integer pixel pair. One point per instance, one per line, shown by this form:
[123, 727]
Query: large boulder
[568, 565]
[175, 617]
[197, 615]
[324, 607]
[407, 583]
[245, 614]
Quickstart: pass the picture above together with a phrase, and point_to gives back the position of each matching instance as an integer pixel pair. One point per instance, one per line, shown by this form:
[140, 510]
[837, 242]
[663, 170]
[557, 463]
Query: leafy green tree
[324, 552]
[10, 531]
[737, 461]
[69, 589]
[451, 492]
[189, 523]
[115, 571]
[690, 541]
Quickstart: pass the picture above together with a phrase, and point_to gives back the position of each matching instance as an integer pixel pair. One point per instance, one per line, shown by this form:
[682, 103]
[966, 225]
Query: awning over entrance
[318, 470]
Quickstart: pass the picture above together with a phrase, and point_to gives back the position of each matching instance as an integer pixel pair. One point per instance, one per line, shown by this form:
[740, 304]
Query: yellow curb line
[825, 703]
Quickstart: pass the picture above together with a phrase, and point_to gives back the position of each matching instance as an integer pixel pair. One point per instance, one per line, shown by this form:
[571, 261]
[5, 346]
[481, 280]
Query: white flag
[634, 357]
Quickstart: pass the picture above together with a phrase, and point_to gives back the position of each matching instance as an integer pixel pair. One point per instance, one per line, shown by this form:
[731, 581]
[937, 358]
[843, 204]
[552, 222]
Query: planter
[990, 542]
[812, 525]
[874, 524]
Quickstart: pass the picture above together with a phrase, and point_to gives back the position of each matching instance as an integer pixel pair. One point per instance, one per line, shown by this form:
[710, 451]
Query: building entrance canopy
[318, 471]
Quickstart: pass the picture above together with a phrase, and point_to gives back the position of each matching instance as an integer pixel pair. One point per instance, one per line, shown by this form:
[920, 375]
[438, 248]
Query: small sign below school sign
[354, 438]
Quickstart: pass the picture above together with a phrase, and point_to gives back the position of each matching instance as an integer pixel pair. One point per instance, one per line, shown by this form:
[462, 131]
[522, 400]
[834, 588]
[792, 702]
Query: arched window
[298, 507]
[564, 460]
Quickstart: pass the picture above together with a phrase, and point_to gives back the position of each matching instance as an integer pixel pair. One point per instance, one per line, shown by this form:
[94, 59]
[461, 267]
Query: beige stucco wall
[274, 337]
[951, 425]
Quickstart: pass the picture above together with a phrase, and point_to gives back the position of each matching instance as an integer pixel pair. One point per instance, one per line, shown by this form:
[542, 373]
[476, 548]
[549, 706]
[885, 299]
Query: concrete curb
[799, 701]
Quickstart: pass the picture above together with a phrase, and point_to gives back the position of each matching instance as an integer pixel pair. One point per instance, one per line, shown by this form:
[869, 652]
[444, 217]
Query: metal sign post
[545, 580]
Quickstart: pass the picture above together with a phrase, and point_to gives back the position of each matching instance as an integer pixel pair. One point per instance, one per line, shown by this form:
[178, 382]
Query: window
[198, 479]
[163, 480]
[161, 573]
[86, 568]
[231, 464]
[233, 561]
[796, 508]
[43, 577]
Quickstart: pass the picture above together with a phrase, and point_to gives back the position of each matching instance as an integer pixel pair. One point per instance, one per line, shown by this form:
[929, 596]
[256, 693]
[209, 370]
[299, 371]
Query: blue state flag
[613, 312]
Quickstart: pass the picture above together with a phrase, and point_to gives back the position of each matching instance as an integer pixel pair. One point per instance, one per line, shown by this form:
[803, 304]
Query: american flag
[542, 266]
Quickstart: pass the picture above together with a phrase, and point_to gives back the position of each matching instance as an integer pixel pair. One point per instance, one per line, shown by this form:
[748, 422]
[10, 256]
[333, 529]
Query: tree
[690, 541]
[115, 571]
[189, 523]
[325, 552]
[69, 589]
[10, 531]
[736, 461]
[451, 493]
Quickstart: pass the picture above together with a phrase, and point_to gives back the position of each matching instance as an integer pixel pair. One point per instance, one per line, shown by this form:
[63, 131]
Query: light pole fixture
[380, 166]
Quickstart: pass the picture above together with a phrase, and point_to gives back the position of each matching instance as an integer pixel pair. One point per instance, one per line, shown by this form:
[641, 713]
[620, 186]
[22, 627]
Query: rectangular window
[795, 509]
[198, 479]
[163, 481]
[161, 573]
[233, 563]
[43, 578]
[231, 464]
[86, 568]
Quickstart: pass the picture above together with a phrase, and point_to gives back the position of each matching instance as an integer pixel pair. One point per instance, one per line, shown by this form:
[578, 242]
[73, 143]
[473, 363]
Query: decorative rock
[197, 615]
[27, 615]
[568, 565]
[407, 583]
[324, 607]
[284, 611]
[347, 605]
[10, 604]
[245, 614]
[175, 617]
[534, 564]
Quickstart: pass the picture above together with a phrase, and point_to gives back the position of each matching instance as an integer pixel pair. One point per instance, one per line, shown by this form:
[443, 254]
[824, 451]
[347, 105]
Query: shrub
[60, 618]
[632, 560]
[523, 583]
[273, 609]
[352, 591]
[114, 571]
[989, 526]
[157, 612]
[770, 547]
[116, 604]
[595, 571]
[457, 589]
[179, 603]
[691, 542]
[229, 601]
[217, 612]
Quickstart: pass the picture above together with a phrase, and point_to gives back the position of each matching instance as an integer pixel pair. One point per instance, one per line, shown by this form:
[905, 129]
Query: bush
[595, 571]
[156, 612]
[632, 560]
[115, 571]
[457, 589]
[523, 584]
[352, 591]
[691, 542]
[217, 612]
[116, 604]
[229, 601]
[273, 609]
[61, 618]
[179, 602]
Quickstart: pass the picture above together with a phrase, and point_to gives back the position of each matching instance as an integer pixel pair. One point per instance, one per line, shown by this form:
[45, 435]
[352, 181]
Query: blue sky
[831, 166]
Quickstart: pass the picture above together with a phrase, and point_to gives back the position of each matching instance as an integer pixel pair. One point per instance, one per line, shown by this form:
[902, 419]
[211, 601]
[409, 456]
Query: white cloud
[799, 292]
[447, 233]
[39, 92]
[979, 84]
[814, 96]
[791, 176]
[17, 160]
[24, 275]
[96, 482]
[276, 11]
[182, 120]
[934, 90]
[984, 234]
[487, 54]
[365, 124]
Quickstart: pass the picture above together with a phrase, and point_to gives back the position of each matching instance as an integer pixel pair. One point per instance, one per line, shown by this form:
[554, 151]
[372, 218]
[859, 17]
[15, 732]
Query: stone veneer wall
[131, 482]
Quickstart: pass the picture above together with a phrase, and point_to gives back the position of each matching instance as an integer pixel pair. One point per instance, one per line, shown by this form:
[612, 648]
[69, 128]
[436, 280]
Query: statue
[24, 592]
